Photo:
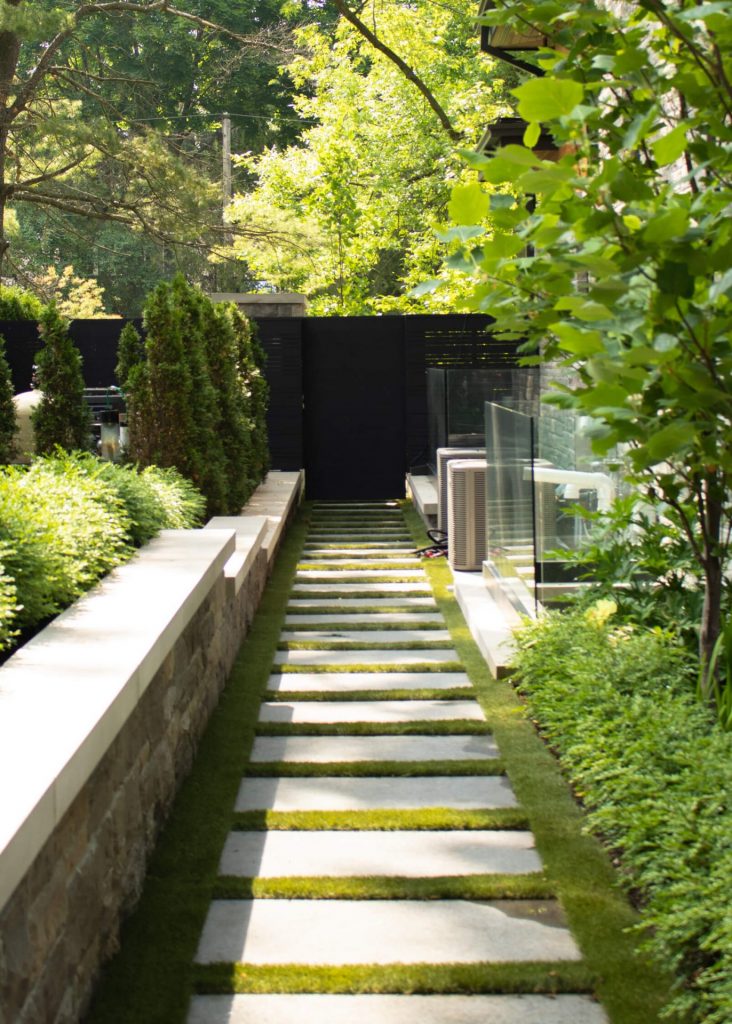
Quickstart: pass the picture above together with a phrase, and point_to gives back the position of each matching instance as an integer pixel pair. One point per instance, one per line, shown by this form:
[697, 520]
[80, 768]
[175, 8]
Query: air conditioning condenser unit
[466, 526]
[444, 457]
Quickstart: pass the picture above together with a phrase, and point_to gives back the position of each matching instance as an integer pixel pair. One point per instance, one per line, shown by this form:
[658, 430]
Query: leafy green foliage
[197, 400]
[618, 707]
[16, 304]
[68, 520]
[350, 206]
[62, 418]
[628, 282]
[8, 422]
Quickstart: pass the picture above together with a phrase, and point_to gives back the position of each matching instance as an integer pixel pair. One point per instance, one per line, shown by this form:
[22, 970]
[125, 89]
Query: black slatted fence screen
[348, 395]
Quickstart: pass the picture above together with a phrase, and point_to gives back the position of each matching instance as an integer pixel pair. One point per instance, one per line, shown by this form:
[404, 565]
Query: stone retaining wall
[80, 852]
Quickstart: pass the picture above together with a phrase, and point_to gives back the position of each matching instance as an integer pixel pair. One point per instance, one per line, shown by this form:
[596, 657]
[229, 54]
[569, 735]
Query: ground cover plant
[654, 770]
[67, 520]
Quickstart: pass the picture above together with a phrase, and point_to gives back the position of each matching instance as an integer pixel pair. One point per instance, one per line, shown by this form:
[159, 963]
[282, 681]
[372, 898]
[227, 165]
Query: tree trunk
[711, 623]
[9, 53]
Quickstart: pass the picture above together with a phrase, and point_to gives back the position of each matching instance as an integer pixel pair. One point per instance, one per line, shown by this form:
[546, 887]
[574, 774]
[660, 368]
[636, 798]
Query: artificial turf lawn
[152, 979]
[383, 820]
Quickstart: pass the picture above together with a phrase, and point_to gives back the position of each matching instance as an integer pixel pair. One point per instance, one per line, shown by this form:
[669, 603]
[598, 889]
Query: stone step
[329, 575]
[313, 712]
[324, 749]
[390, 1009]
[307, 588]
[398, 618]
[384, 656]
[384, 932]
[372, 564]
[407, 603]
[428, 854]
[373, 547]
[314, 682]
[361, 656]
[367, 636]
[385, 553]
[462, 792]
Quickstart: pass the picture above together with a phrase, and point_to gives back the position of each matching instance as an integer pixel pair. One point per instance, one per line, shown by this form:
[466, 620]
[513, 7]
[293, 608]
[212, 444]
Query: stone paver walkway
[361, 620]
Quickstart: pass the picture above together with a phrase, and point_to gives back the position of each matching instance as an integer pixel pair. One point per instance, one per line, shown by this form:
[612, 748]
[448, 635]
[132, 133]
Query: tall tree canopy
[109, 150]
[387, 94]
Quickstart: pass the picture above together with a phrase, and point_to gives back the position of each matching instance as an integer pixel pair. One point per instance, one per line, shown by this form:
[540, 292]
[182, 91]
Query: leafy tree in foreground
[62, 418]
[630, 281]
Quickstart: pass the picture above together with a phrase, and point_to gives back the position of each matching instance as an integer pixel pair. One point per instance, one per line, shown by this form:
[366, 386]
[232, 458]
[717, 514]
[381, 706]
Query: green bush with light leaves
[67, 520]
[630, 281]
[654, 771]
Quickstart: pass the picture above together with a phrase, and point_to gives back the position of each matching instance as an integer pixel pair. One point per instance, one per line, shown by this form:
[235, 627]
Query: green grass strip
[631, 989]
[425, 979]
[330, 609]
[359, 769]
[423, 819]
[383, 563]
[448, 727]
[355, 576]
[358, 695]
[151, 979]
[459, 887]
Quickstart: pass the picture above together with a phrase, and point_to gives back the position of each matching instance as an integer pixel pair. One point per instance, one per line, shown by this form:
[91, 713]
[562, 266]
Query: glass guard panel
[436, 414]
[510, 513]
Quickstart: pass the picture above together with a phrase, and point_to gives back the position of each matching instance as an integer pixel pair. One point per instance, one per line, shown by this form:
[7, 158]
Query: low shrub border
[654, 772]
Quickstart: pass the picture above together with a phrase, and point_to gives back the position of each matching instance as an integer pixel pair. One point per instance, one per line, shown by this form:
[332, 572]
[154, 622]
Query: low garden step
[311, 711]
[324, 618]
[368, 636]
[468, 792]
[335, 602]
[423, 854]
[324, 749]
[384, 932]
[303, 682]
[385, 656]
[409, 1009]
[310, 588]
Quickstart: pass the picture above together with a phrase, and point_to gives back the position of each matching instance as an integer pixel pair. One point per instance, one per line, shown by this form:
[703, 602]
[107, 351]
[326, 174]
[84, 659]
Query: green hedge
[67, 520]
[654, 771]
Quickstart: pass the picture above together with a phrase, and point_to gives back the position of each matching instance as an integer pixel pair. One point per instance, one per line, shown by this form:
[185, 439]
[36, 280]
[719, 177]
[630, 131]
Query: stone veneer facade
[64, 918]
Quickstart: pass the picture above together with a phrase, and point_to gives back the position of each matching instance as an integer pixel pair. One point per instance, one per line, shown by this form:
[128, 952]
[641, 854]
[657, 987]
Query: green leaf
[532, 134]
[668, 224]
[675, 279]
[576, 341]
[502, 247]
[721, 287]
[468, 204]
[670, 440]
[669, 147]
[583, 309]
[546, 99]
[460, 234]
[426, 288]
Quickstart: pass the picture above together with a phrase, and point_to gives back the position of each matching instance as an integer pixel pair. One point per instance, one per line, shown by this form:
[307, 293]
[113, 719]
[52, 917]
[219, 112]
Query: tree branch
[405, 69]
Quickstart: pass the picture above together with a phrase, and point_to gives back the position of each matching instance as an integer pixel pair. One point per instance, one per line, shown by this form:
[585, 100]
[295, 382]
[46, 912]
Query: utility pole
[226, 154]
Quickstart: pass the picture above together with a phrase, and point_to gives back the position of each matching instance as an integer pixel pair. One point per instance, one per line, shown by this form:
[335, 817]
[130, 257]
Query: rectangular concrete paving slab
[307, 588]
[345, 682]
[323, 749]
[334, 602]
[384, 932]
[370, 636]
[380, 656]
[336, 618]
[429, 854]
[465, 792]
[330, 575]
[311, 711]
[406, 1009]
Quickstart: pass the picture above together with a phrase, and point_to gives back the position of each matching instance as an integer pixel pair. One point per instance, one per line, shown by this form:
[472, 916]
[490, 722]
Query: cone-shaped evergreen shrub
[15, 304]
[62, 418]
[198, 401]
[8, 422]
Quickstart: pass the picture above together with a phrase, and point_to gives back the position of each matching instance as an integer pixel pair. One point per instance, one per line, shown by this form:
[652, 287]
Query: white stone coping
[274, 499]
[65, 695]
[487, 622]
[249, 533]
[423, 491]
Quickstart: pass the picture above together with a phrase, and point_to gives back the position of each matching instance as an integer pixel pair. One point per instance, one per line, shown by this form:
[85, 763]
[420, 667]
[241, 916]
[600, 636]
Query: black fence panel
[348, 395]
[354, 407]
[281, 339]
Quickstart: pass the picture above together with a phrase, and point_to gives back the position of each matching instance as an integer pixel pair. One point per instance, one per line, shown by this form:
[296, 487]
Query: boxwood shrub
[67, 520]
[654, 771]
